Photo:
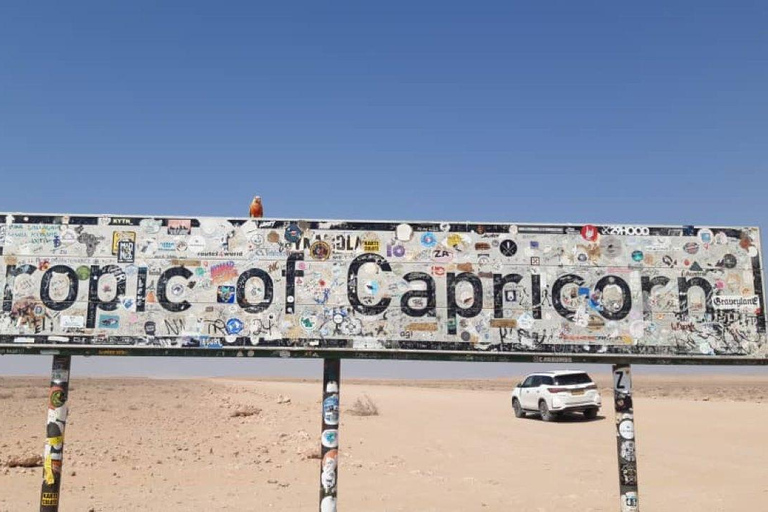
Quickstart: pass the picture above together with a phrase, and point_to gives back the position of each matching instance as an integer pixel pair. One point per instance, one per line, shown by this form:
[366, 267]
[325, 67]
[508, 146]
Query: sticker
[225, 295]
[637, 256]
[293, 233]
[611, 247]
[118, 236]
[622, 380]
[58, 397]
[691, 247]
[332, 387]
[51, 499]
[732, 302]
[589, 233]
[320, 250]
[628, 474]
[627, 429]
[109, 322]
[72, 322]
[428, 240]
[126, 250]
[525, 321]
[331, 410]
[179, 226]
[328, 480]
[328, 504]
[330, 438]
[629, 502]
[729, 261]
[196, 244]
[706, 236]
[234, 326]
[371, 246]
[83, 272]
[508, 248]
[627, 451]
[404, 232]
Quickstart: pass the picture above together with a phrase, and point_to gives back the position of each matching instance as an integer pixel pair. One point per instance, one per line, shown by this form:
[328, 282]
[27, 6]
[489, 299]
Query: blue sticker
[109, 322]
[293, 233]
[225, 295]
[234, 326]
[428, 239]
[583, 291]
[637, 256]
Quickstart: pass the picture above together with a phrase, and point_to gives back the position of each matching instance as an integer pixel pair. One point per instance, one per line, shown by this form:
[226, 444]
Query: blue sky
[507, 111]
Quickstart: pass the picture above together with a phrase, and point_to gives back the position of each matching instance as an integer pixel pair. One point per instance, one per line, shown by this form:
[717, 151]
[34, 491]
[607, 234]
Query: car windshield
[573, 378]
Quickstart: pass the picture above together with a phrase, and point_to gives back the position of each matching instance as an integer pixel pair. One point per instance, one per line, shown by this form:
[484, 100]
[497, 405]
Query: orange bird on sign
[257, 210]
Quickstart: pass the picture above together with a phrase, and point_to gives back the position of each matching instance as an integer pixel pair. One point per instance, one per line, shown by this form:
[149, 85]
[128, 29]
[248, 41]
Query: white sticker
[622, 380]
[72, 322]
[627, 429]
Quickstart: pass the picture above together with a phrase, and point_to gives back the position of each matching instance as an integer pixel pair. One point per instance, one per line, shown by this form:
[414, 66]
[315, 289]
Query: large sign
[195, 286]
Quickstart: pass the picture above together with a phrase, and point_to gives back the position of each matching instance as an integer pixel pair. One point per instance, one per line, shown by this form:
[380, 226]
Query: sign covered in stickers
[152, 285]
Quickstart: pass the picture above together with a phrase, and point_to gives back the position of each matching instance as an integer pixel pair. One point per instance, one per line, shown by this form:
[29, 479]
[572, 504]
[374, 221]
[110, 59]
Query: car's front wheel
[519, 413]
[590, 414]
[544, 411]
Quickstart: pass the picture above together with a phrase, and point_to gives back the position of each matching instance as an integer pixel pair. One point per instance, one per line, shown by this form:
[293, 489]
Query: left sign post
[54, 443]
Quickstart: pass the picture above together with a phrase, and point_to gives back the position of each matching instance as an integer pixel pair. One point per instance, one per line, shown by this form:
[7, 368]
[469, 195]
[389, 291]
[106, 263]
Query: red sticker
[589, 232]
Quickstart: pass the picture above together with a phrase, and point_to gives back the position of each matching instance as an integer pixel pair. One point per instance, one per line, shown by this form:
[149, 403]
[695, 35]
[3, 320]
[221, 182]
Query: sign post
[329, 438]
[54, 446]
[625, 438]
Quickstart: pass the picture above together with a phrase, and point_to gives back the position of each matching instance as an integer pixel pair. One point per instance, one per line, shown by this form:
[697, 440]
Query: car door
[529, 399]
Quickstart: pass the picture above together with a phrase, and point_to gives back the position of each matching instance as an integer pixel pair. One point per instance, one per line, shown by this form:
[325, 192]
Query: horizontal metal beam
[413, 355]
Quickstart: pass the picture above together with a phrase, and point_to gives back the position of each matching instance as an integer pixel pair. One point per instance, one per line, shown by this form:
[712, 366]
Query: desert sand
[245, 445]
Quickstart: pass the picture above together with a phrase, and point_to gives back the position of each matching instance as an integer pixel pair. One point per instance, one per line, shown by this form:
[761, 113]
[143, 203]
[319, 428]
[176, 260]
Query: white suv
[551, 393]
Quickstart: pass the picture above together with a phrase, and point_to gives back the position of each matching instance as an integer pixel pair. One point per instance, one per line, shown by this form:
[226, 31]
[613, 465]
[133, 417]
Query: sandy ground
[162, 445]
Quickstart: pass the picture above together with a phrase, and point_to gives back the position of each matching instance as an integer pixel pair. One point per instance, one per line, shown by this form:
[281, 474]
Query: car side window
[547, 381]
[528, 382]
[536, 381]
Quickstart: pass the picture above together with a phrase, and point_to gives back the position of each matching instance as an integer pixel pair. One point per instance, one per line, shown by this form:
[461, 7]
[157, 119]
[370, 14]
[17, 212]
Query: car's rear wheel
[544, 411]
[519, 412]
[590, 414]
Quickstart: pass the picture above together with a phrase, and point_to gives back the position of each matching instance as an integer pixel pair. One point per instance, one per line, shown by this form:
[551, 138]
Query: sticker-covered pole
[54, 443]
[329, 439]
[625, 438]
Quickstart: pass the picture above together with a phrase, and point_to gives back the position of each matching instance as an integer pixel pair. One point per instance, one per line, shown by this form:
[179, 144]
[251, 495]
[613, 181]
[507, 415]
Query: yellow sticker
[121, 235]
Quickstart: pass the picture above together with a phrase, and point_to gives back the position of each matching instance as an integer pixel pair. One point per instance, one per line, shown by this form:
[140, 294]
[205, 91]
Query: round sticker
[328, 504]
[320, 250]
[234, 325]
[589, 233]
[611, 247]
[637, 256]
[330, 438]
[627, 429]
[706, 236]
[83, 272]
[508, 248]
[196, 244]
[729, 261]
[428, 239]
[691, 247]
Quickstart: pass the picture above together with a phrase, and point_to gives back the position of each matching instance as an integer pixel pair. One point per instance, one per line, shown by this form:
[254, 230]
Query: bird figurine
[257, 210]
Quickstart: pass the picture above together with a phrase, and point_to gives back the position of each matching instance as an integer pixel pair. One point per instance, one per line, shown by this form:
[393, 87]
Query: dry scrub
[364, 407]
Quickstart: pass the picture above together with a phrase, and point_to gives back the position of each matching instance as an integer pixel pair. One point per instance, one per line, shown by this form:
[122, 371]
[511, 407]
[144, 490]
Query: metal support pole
[54, 445]
[329, 439]
[625, 437]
